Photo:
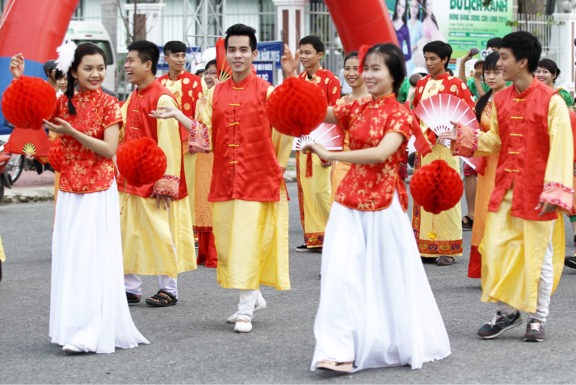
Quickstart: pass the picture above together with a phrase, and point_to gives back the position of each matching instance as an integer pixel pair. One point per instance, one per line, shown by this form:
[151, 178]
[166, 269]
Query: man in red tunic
[187, 90]
[250, 207]
[156, 225]
[439, 236]
[523, 245]
[313, 174]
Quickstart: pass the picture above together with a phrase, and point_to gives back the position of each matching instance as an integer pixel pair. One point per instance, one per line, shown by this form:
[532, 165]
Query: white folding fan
[440, 110]
[328, 135]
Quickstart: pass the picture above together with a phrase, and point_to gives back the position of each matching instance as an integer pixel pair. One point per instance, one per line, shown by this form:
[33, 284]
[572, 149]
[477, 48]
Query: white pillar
[563, 35]
[291, 20]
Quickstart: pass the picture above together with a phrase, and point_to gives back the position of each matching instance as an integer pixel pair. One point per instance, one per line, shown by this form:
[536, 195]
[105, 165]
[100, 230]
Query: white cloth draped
[88, 306]
[376, 306]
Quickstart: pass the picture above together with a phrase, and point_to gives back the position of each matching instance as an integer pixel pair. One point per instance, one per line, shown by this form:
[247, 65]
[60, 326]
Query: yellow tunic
[252, 237]
[177, 87]
[484, 189]
[315, 196]
[513, 248]
[2, 254]
[315, 191]
[157, 241]
[438, 234]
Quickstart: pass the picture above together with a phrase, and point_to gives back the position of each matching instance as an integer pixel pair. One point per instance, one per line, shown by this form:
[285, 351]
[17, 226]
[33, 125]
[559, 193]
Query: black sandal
[162, 299]
[467, 223]
[133, 298]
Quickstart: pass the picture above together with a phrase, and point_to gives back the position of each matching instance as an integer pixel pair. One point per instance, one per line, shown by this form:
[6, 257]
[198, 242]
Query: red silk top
[139, 124]
[370, 187]
[450, 85]
[82, 170]
[328, 83]
[187, 90]
[525, 145]
[245, 164]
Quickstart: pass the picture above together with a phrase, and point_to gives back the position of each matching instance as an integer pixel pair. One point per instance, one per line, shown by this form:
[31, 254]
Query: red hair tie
[362, 55]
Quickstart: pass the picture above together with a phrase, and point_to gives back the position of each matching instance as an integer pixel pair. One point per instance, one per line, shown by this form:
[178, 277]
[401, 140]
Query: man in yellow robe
[312, 173]
[439, 236]
[523, 245]
[156, 225]
[187, 90]
[250, 207]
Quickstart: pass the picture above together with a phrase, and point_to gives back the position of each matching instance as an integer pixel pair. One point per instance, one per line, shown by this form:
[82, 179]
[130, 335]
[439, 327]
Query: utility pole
[203, 22]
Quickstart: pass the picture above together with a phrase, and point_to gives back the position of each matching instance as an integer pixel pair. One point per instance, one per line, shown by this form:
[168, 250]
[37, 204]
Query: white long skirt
[376, 305]
[88, 306]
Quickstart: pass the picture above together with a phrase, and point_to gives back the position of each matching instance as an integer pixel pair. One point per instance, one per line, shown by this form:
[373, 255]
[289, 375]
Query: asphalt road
[191, 343]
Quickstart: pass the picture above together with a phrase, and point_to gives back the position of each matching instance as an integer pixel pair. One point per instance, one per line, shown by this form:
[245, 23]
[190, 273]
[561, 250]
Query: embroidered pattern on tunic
[83, 170]
[371, 187]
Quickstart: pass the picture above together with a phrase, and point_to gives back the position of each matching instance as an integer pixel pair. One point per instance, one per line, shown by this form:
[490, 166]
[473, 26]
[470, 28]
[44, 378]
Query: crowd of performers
[376, 306]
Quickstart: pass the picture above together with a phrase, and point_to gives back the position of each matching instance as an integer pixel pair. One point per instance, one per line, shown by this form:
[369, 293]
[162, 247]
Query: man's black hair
[524, 45]
[146, 51]
[242, 30]
[314, 41]
[174, 46]
[443, 50]
[495, 42]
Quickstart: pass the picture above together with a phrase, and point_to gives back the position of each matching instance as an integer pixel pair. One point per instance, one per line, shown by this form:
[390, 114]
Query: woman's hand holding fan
[327, 135]
[441, 112]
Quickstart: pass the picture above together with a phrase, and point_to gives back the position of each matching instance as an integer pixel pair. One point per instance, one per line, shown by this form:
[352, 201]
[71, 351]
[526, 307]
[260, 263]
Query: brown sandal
[333, 366]
[162, 299]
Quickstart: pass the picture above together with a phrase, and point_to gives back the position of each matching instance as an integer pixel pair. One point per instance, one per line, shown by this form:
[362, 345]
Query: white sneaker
[260, 305]
[243, 326]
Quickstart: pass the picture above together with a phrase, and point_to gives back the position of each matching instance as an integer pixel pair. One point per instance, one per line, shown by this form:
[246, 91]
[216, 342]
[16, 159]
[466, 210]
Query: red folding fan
[222, 66]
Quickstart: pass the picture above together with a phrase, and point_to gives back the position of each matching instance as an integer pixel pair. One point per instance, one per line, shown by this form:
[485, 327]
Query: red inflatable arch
[358, 25]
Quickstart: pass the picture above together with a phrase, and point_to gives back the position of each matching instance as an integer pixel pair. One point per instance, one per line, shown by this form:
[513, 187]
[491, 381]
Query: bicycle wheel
[15, 166]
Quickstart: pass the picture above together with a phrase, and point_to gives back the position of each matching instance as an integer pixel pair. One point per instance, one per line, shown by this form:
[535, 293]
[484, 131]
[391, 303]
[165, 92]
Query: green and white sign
[467, 23]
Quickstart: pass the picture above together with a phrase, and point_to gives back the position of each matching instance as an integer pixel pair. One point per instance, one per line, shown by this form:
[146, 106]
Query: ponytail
[70, 89]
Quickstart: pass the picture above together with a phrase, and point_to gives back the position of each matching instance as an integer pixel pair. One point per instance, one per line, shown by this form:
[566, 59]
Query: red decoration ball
[27, 101]
[56, 155]
[436, 187]
[141, 161]
[296, 107]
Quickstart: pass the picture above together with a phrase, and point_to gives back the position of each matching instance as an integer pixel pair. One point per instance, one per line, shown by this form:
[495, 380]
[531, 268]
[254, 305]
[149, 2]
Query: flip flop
[333, 366]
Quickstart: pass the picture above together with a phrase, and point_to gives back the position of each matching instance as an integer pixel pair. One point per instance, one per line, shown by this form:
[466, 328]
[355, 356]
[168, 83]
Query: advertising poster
[462, 23]
[468, 24]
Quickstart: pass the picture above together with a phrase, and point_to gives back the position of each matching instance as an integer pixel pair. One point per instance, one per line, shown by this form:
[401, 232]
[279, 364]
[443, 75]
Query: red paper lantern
[141, 161]
[436, 187]
[56, 155]
[27, 101]
[296, 107]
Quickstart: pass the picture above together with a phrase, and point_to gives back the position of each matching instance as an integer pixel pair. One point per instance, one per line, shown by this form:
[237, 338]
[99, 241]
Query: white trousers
[246, 304]
[133, 284]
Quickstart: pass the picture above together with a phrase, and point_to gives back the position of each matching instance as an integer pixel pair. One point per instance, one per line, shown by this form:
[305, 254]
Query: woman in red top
[376, 306]
[88, 308]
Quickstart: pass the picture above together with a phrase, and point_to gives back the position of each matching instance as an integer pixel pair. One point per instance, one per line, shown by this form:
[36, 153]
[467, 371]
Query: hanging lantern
[436, 187]
[296, 107]
[27, 101]
[141, 161]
